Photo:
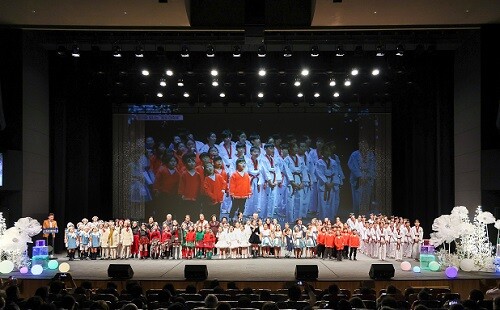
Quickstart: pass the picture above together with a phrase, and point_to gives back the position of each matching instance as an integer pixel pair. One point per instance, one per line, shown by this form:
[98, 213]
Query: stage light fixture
[214, 72]
[186, 95]
[75, 51]
[380, 51]
[145, 72]
[332, 82]
[354, 72]
[184, 51]
[336, 94]
[222, 95]
[296, 83]
[300, 95]
[169, 72]
[236, 51]
[400, 50]
[260, 95]
[315, 51]
[139, 51]
[375, 72]
[262, 72]
[180, 83]
[347, 82]
[61, 51]
[117, 51]
[215, 83]
[316, 95]
[159, 95]
[163, 82]
[287, 51]
[304, 72]
[339, 51]
[261, 51]
[210, 51]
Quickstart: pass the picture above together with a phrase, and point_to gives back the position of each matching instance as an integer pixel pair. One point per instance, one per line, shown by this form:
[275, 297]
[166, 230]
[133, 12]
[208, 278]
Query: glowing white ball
[405, 266]
[6, 266]
[416, 269]
[64, 267]
[467, 264]
[24, 270]
[37, 270]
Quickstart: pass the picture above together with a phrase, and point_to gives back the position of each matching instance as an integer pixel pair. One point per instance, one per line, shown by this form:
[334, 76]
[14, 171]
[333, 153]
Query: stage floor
[259, 269]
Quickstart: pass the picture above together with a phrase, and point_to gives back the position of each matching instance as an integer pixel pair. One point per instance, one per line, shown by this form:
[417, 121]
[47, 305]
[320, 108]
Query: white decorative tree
[471, 238]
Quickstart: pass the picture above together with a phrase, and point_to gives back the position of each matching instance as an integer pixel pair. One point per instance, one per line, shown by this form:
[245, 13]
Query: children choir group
[282, 177]
[377, 236]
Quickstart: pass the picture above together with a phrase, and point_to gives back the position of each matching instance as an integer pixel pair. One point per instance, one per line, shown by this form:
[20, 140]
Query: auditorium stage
[259, 269]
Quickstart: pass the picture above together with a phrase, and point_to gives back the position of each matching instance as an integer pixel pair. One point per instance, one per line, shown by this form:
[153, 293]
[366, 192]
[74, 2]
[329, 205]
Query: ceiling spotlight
[380, 51]
[336, 94]
[300, 95]
[180, 83]
[261, 52]
[145, 72]
[260, 95]
[339, 51]
[210, 51]
[354, 72]
[315, 51]
[139, 51]
[214, 72]
[75, 51]
[184, 52]
[163, 83]
[236, 51]
[159, 95]
[400, 50]
[61, 51]
[332, 82]
[186, 95]
[296, 82]
[375, 72]
[287, 51]
[215, 83]
[222, 95]
[169, 72]
[117, 51]
[316, 95]
[347, 82]
[305, 72]
[262, 72]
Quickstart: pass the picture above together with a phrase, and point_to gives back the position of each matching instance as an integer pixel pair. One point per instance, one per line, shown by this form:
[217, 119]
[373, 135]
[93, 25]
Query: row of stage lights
[262, 72]
[237, 51]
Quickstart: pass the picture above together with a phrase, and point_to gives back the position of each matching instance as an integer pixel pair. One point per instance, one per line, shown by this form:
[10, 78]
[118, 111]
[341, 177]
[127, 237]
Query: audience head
[458, 307]
[357, 302]
[211, 301]
[12, 293]
[33, 303]
[43, 292]
[496, 303]
[476, 295]
[191, 289]
[170, 287]
[389, 302]
[68, 302]
[99, 305]
[294, 292]
[244, 302]
[424, 295]
[391, 290]
[333, 289]
[223, 305]
[129, 306]
[269, 305]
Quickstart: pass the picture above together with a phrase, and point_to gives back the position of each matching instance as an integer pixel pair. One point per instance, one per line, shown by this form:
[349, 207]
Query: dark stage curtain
[422, 141]
[81, 147]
